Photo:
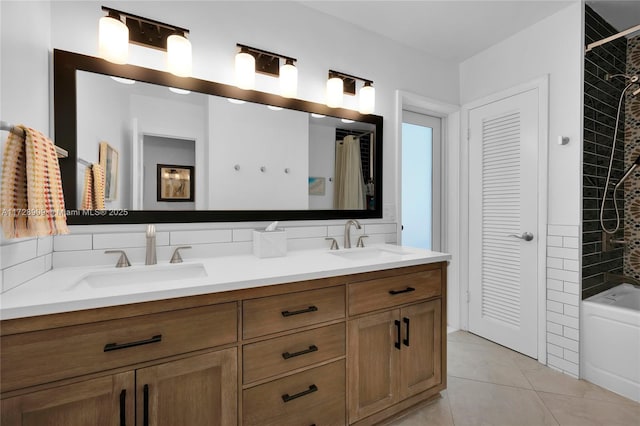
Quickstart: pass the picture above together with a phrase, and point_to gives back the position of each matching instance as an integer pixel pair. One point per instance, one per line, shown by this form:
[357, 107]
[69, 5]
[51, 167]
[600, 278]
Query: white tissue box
[269, 243]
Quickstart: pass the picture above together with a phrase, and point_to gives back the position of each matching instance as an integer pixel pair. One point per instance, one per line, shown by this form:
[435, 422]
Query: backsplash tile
[45, 245]
[19, 252]
[18, 274]
[72, 242]
[127, 240]
[201, 237]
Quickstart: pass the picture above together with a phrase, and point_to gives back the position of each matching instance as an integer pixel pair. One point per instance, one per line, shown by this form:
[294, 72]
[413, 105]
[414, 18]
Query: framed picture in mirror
[108, 159]
[175, 183]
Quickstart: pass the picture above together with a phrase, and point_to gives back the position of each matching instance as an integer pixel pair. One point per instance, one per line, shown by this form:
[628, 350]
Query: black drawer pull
[145, 408]
[123, 407]
[312, 348]
[406, 290]
[301, 311]
[406, 341]
[397, 344]
[115, 346]
[286, 397]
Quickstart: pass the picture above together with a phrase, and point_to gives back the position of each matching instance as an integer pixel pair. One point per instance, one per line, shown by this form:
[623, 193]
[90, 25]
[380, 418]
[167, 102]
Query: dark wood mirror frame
[65, 66]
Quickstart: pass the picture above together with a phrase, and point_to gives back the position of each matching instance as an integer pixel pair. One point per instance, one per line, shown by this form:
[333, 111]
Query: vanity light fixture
[340, 83]
[274, 108]
[122, 80]
[179, 91]
[250, 60]
[115, 36]
[316, 115]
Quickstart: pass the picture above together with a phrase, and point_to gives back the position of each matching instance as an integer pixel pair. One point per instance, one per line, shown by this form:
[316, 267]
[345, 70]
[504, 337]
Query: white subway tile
[201, 237]
[563, 342]
[554, 328]
[570, 356]
[48, 262]
[380, 228]
[554, 284]
[563, 319]
[555, 306]
[45, 245]
[306, 232]
[571, 333]
[218, 249]
[563, 230]
[565, 365]
[554, 262]
[554, 241]
[561, 275]
[571, 265]
[338, 231]
[564, 253]
[571, 288]
[570, 242]
[572, 311]
[17, 253]
[127, 240]
[22, 272]
[555, 350]
[72, 242]
[6, 242]
[558, 296]
[242, 235]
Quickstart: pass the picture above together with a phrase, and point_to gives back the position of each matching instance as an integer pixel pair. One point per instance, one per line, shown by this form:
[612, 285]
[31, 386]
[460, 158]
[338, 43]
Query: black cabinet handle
[115, 346]
[312, 348]
[397, 344]
[406, 341]
[286, 397]
[302, 311]
[123, 407]
[406, 290]
[145, 407]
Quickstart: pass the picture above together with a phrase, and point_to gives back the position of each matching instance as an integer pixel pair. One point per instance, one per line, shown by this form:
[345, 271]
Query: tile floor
[488, 384]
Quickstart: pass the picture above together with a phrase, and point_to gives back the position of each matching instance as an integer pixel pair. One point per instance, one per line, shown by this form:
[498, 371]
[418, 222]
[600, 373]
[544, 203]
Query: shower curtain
[349, 193]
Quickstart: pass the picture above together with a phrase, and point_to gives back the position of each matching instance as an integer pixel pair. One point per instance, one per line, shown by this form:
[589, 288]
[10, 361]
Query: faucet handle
[123, 260]
[176, 258]
[334, 243]
[361, 240]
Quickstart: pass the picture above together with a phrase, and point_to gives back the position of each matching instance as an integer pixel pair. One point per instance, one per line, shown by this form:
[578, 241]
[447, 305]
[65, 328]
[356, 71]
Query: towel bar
[62, 153]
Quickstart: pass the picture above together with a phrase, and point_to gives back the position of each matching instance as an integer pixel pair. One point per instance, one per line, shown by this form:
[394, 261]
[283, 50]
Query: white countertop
[63, 289]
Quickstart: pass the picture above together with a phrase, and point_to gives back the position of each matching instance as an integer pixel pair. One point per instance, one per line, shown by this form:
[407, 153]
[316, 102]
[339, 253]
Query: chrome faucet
[347, 230]
[150, 258]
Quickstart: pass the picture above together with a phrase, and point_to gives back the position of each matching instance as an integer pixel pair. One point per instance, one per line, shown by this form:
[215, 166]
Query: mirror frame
[66, 64]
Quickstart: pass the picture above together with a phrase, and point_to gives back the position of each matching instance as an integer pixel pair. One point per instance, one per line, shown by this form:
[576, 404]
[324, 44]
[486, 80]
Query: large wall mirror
[187, 150]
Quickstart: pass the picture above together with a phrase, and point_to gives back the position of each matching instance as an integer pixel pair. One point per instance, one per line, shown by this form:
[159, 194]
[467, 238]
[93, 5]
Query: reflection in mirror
[241, 156]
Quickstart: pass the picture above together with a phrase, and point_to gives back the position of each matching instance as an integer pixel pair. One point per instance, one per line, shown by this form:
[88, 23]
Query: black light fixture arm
[253, 50]
[118, 13]
[333, 73]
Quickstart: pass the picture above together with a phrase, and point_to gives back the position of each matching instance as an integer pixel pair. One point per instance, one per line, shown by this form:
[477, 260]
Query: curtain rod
[611, 38]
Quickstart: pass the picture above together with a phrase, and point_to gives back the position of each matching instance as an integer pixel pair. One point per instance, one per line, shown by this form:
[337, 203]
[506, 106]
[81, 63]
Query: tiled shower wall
[600, 107]
[631, 152]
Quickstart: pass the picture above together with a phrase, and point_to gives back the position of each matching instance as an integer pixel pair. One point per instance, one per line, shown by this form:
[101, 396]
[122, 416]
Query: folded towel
[31, 199]
[93, 193]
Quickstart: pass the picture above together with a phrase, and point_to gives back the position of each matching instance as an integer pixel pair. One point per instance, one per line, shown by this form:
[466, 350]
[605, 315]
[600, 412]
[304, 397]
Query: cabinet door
[420, 357]
[196, 391]
[104, 401]
[372, 363]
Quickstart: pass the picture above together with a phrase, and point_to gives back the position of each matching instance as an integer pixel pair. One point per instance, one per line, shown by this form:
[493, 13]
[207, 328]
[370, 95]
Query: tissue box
[270, 244]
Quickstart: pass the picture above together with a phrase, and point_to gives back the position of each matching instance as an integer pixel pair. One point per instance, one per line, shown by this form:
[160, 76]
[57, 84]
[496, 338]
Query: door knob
[527, 236]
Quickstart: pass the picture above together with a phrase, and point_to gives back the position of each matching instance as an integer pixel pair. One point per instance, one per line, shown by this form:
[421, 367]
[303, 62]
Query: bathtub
[611, 340]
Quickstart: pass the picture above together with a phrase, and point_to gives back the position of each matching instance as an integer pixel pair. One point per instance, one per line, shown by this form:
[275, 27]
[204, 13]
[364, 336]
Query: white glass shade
[179, 60]
[288, 81]
[245, 71]
[113, 40]
[335, 89]
[367, 100]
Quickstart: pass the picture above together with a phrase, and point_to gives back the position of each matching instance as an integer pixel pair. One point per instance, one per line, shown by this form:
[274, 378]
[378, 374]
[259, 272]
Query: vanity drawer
[288, 311]
[391, 291]
[44, 356]
[276, 356]
[315, 396]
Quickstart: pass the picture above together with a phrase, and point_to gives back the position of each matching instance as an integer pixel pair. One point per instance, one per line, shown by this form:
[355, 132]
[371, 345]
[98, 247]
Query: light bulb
[367, 99]
[113, 40]
[335, 90]
[179, 55]
[245, 70]
[289, 80]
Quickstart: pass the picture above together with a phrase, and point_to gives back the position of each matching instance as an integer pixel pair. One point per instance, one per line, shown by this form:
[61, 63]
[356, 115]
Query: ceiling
[453, 30]
[621, 14]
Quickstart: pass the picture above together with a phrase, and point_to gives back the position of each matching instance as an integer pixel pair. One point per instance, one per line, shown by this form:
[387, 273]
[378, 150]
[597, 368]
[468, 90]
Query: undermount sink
[141, 275]
[368, 253]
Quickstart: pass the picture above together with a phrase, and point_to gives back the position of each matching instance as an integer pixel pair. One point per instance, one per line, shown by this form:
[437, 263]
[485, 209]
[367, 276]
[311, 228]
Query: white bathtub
[611, 340]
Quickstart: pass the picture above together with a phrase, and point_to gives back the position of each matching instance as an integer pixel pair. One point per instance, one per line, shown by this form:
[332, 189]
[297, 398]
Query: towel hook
[236, 167]
[263, 169]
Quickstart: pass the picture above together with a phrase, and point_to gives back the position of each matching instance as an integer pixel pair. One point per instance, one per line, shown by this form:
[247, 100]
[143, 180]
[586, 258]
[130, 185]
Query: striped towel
[31, 198]
[93, 194]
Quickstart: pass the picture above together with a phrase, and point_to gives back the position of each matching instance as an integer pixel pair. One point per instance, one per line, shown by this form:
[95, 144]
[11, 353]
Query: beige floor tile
[477, 403]
[466, 337]
[548, 380]
[484, 363]
[572, 411]
[435, 413]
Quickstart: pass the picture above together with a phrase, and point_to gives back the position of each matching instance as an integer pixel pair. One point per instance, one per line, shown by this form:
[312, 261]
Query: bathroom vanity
[354, 341]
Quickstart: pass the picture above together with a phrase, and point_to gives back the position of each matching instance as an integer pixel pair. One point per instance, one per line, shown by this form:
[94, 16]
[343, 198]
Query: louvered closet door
[503, 193]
